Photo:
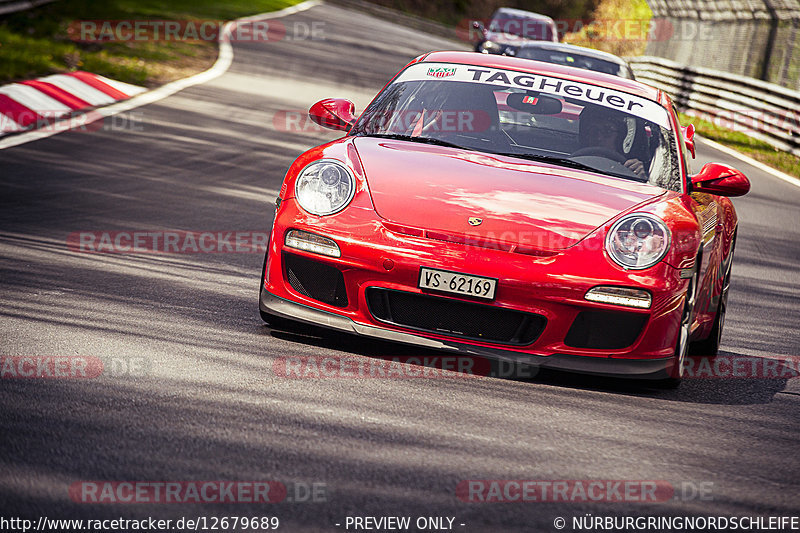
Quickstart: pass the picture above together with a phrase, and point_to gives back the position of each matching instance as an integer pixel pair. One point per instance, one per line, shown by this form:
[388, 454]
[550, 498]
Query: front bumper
[375, 256]
[604, 366]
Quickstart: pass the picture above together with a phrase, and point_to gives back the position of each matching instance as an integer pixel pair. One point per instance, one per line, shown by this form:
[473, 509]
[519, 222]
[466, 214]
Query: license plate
[456, 283]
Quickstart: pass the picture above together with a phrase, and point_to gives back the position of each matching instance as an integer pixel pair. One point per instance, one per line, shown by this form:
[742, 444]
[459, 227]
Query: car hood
[519, 202]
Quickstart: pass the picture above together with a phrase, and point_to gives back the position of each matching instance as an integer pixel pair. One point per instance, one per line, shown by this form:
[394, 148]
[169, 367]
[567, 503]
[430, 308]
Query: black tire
[682, 342]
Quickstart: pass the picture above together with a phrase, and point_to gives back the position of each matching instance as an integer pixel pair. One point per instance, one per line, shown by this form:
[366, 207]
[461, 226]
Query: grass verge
[758, 150]
[37, 42]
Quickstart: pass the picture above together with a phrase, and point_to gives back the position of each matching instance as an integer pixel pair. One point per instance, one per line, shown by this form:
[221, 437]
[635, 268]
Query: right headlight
[324, 187]
[638, 241]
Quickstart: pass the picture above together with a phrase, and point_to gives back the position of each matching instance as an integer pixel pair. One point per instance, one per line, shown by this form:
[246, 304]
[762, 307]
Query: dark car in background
[571, 55]
[511, 28]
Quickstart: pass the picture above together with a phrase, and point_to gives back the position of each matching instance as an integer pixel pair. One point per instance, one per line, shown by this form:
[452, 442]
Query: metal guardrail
[12, 6]
[762, 110]
[755, 38]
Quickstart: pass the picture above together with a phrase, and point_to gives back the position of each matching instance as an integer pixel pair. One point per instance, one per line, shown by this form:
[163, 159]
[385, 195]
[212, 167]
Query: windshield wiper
[566, 162]
[560, 161]
[425, 140]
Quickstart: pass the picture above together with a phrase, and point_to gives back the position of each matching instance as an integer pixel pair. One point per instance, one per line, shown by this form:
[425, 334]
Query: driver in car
[606, 130]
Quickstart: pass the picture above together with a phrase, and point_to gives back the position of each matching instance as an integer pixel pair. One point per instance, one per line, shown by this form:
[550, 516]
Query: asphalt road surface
[200, 399]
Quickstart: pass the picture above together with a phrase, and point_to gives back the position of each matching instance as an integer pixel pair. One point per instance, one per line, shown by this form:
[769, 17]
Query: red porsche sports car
[508, 208]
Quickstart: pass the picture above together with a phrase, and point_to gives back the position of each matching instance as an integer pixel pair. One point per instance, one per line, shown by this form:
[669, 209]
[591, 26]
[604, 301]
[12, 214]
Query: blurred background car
[573, 56]
[512, 27]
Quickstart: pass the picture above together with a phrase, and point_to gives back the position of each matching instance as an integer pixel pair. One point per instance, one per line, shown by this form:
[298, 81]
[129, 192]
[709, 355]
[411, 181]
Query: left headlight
[324, 187]
[638, 241]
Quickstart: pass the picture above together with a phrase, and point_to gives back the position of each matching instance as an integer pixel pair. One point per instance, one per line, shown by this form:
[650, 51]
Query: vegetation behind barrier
[37, 42]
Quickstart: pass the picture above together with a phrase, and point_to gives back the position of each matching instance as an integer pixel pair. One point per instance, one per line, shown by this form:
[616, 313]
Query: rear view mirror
[716, 178]
[533, 103]
[334, 113]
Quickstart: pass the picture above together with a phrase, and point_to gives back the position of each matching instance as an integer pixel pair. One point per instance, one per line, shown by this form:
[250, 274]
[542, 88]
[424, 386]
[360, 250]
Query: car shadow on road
[730, 378]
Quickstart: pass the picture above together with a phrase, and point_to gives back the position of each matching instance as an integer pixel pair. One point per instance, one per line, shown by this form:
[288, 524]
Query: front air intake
[605, 330]
[315, 279]
[454, 318]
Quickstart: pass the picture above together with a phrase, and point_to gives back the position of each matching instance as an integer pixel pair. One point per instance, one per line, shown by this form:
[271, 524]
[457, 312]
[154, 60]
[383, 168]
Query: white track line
[750, 161]
[219, 67]
[121, 86]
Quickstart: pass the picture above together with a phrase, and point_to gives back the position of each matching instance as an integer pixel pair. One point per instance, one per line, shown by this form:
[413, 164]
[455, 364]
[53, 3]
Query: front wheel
[682, 343]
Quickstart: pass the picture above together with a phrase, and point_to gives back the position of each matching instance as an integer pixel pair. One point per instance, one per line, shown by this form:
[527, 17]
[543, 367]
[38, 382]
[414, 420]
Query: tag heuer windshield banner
[584, 92]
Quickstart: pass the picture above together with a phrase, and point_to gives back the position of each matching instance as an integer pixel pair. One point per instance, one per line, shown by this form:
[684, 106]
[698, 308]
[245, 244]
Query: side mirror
[334, 113]
[716, 178]
[688, 139]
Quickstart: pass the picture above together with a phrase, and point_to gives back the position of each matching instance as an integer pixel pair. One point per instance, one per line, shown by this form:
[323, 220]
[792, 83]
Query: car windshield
[573, 60]
[529, 28]
[530, 116]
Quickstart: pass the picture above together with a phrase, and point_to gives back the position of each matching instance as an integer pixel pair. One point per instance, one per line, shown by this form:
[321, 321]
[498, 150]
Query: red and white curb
[224, 60]
[35, 103]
